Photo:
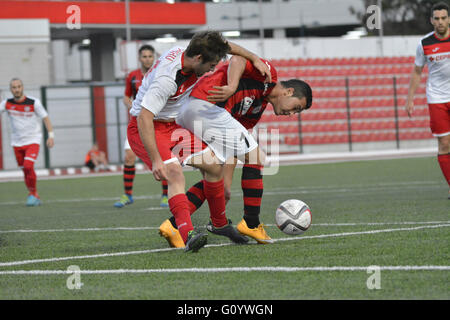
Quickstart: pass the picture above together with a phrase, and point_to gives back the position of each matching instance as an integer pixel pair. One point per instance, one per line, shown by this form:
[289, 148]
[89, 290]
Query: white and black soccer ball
[293, 217]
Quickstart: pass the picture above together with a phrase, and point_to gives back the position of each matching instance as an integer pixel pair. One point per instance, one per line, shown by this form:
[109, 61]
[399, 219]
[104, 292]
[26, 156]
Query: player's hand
[159, 170]
[409, 108]
[227, 195]
[220, 94]
[50, 142]
[264, 69]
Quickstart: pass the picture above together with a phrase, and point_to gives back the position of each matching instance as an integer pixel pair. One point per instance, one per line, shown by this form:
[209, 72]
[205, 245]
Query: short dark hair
[439, 6]
[211, 45]
[146, 47]
[15, 79]
[301, 89]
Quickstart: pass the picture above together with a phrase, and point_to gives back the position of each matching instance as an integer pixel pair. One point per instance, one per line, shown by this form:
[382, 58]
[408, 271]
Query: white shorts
[126, 145]
[225, 136]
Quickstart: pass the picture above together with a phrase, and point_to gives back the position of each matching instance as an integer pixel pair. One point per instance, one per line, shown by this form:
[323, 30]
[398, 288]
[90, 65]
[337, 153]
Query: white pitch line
[363, 232]
[269, 192]
[268, 225]
[334, 235]
[374, 223]
[231, 269]
[149, 197]
[79, 229]
[16, 263]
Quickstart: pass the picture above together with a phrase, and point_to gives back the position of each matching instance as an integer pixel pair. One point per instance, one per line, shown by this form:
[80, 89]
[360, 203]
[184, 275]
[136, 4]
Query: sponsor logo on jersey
[246, 104]
[173, 54]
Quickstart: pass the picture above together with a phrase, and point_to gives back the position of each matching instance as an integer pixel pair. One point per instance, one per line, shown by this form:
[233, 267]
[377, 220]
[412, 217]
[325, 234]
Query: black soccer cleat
[195, 241]
[228, 231]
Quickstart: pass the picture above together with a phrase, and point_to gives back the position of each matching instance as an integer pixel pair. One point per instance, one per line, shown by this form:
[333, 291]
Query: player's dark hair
[211, 45]
[301, 89]
[439, 6]
[146, 47]
[15, 79]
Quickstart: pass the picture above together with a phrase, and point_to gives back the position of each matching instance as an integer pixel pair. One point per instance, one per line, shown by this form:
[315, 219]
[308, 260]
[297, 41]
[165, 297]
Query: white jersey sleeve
[421, 59]
[39, 109]
[2, 106]
[159, 91]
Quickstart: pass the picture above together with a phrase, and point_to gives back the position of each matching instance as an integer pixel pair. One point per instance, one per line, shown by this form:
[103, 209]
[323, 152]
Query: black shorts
[90, 165]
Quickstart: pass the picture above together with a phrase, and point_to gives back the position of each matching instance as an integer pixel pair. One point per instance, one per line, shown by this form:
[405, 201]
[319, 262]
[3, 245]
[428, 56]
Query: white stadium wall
[24, 51]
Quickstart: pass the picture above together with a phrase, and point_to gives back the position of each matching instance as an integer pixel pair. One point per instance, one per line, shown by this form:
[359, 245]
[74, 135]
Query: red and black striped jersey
[133, 82]
[248, 103]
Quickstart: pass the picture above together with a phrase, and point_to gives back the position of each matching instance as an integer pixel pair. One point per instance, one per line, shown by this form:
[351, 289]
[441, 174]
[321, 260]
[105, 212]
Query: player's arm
[42, 113]
[147, 134]
[2, 107]
[127, 101]
[228, 171]
[235, 70]
[153, 102]
[51, 136]
[413, 85]
[255, 60]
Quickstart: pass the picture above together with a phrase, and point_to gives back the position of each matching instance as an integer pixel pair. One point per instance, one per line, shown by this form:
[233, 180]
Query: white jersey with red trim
[165, 87]
[436, 53]
[25, 116]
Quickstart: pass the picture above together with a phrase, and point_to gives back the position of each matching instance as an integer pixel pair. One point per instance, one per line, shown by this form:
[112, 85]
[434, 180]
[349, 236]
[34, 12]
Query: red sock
[214, 194]
[444, 163]
[179, 207]
[196, 196]
[30, 179]
[252, 188]
[128, 177]
[165, 187]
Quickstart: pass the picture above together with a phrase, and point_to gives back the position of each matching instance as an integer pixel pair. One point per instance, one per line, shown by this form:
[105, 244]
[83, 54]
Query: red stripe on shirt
[436, 48]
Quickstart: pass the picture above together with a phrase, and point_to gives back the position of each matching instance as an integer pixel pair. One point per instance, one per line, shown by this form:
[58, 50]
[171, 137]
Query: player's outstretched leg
[168, 229]
[252, 187]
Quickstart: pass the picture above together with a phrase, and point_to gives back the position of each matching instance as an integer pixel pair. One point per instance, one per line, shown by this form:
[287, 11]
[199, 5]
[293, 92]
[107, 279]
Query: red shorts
[173, 141]
[26, 153]
[440, 119]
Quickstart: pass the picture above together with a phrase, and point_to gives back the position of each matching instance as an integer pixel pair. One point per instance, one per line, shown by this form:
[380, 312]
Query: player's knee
[130, 158]
[255, 157]
[444, 144]
[28, 165]
[174, 174]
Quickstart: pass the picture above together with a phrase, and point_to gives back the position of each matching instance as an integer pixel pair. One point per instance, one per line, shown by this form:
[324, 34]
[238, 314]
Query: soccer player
[228, 122]
[24, 113]
[152, 126]
[132, 83]
[434, 50]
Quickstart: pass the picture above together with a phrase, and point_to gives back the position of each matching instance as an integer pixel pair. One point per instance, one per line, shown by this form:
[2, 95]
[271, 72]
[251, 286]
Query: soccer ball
[293, 217]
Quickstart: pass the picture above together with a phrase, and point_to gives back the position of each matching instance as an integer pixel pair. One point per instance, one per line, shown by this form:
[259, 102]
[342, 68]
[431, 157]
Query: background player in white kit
[152, 127]
[434, 50]
[24, 113]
